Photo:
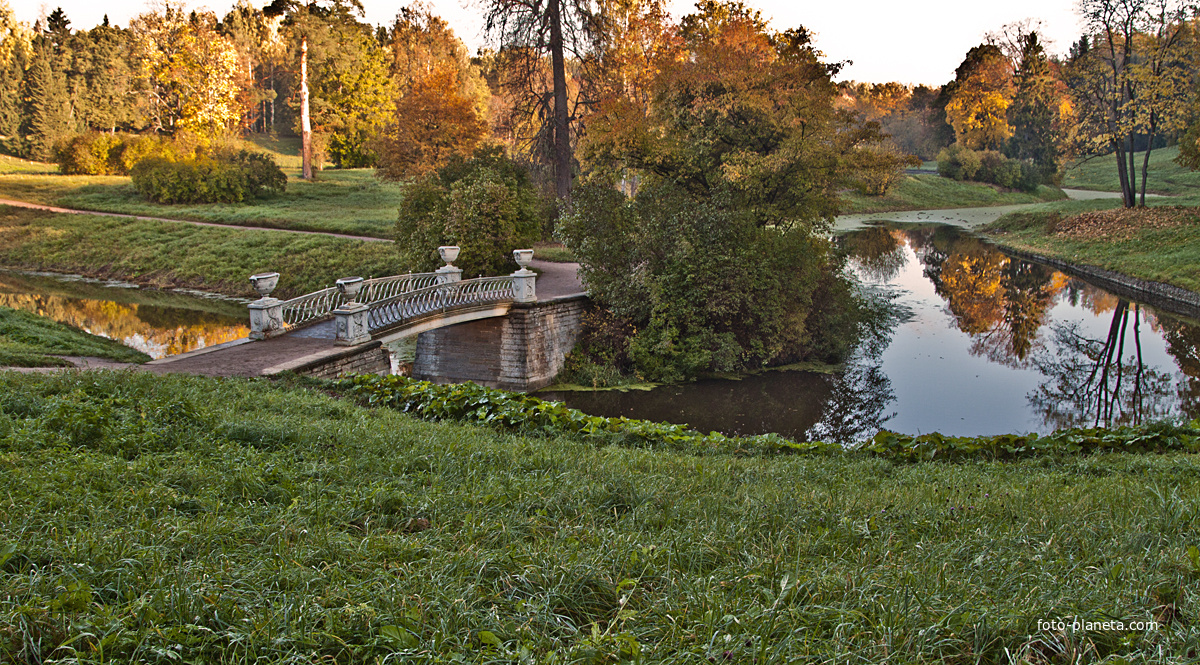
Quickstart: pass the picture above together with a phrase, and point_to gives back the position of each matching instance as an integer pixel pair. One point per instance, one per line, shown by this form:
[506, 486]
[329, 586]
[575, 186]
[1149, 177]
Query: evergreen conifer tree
[48, 113]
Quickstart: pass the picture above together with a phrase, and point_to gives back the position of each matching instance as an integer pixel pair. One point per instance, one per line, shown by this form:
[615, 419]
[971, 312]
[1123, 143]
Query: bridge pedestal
[351, 322]
[266, 318]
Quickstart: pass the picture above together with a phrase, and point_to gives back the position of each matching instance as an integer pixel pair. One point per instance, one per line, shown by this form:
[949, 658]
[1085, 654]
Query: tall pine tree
[48, 113]
[1033, 114]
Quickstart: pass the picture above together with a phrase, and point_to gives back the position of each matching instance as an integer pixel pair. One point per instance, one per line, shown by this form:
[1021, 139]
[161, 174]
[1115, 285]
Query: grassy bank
[1160, 243]
[1165, 176]
[928, 192]
[28, 340]
[152, 518]
[351, 201]
[166, 254]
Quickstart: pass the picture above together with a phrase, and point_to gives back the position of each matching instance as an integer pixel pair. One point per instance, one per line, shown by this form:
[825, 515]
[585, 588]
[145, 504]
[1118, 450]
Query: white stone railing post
[448, 273]
[266, 313]
[351, 318]
[524, 280]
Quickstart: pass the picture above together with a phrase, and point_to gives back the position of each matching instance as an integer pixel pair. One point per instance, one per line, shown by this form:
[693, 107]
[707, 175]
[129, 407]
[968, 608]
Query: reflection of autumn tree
[971, 285]
[857, 406]
[153, 330]
[1093, 381]
[875, 252]
[1028, 291]
[1000, 302]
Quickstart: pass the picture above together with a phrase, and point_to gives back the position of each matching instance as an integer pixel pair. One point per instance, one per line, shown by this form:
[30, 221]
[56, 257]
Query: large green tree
[349, 83]
[719, 262]
[15, 52]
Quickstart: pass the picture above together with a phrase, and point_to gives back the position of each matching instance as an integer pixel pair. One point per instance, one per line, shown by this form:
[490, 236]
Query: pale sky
[920, 41]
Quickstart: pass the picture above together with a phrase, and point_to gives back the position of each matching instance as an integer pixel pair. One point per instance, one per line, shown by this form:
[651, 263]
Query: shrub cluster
[962, 163]
[224, 177]
[486, 205]
[97, 153]
[705, 287]
[471, 403]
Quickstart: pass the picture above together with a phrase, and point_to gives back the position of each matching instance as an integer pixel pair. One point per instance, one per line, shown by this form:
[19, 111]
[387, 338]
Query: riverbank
[29, 340]
[931, 192]
[175, 255]
[219, 519]
[1160, 243]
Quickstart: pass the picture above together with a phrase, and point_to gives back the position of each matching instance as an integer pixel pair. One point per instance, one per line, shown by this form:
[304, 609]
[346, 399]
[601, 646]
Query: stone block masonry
[522, 351]
[373, 358]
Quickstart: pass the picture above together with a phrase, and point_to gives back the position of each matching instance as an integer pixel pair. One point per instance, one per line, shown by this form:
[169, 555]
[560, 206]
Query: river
[983, 343]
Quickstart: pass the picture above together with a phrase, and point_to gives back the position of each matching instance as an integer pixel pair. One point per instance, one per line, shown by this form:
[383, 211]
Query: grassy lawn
[149, 518]
[10, 165]
[1166, 177]
[1141, 245]
[27, 340]
[350, 201]
[166, 254]
[928, 192]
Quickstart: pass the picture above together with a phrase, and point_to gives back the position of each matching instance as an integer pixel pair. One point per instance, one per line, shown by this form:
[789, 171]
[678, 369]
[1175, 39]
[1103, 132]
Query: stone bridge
[491, 330]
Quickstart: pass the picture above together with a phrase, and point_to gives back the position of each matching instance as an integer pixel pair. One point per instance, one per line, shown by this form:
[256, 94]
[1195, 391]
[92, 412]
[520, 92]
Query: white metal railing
[437, 298]
[320, 304]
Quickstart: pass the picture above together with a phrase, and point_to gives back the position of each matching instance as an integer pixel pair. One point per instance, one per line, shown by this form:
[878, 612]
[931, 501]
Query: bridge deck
[293, 349]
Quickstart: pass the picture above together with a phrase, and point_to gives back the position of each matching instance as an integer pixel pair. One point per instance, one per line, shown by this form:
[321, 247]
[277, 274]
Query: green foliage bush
[961, 163]
[486, 205]
[704, 286]
[99, 153]
[514, 411]
[225, 177]
[93, 153]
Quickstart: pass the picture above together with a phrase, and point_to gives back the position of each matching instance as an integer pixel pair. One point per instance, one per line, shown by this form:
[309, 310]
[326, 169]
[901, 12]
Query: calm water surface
[158, 323]
[982, 344]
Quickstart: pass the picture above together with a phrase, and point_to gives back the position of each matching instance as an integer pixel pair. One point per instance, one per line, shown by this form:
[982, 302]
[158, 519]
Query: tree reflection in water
[1091, 382]
[1000, 301]
[859, 397]
[875, 252]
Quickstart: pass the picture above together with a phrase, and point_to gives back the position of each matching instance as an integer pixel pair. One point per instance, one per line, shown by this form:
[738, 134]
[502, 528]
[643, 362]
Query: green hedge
[226, 177]
[472, 403]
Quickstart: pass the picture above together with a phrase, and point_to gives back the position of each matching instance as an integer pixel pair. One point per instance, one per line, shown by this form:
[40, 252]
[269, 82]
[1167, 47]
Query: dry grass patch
[1121, 223]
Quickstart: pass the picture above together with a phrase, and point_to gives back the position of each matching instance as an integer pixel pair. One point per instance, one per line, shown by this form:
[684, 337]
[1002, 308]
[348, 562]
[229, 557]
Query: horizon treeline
[1128, 85]
[407, 97]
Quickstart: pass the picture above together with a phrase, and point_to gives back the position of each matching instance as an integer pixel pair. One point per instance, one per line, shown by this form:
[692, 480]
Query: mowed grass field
[1164, 177]
[181, 519]
[930, 192]
[348, 201]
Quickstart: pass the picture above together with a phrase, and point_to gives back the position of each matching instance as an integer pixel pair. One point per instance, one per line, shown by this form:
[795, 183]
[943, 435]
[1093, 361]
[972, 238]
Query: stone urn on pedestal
[524, 280]
[449, 272]
[351, 317]
[266, 313]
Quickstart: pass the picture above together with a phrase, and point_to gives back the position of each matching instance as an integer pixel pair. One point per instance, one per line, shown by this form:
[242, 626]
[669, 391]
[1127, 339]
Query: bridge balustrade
[362, 306]
[439, 298]
[320, 305]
